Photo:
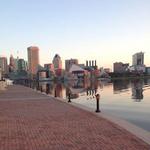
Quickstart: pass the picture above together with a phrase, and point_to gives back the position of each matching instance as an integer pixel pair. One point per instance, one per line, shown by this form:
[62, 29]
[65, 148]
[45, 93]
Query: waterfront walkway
[32, 121]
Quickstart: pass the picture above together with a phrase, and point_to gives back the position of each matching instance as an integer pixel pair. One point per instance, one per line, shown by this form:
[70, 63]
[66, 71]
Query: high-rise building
[22, 65]
[33, 59]
[49, 67]
[3, 65]
[120, 67]
[13, 65]
[138, 63]
[138, 59]
[16, 64]
[69, 63]
[57, 62]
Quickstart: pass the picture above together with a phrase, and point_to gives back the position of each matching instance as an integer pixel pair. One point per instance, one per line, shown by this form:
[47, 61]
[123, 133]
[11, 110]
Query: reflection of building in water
[74, 94]
[76, 89]
[146, 81]
[95, 84]
[50, 89]
[148, 70]
[59, 90]
[120, 85]
[92, 89]
[137, 90]
[47, 88]
[91, 92]
[43, 88]
[79, 84]
[81, 88]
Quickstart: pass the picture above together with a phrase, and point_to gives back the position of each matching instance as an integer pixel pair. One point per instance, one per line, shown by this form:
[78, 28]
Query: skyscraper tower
[33, 59]
[57, 62]
[22, 65]
[11, 60]
[11, 64]
[138, 59]
[3, 65]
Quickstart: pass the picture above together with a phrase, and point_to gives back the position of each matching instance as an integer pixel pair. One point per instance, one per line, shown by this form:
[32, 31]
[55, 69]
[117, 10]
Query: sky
[106, 30]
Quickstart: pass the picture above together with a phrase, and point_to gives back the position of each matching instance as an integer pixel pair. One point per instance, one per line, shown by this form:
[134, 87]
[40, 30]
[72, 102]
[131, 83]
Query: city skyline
[110, 31]
[72, 58]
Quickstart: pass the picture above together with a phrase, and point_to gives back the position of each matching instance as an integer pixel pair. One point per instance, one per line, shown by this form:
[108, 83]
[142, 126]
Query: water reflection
[120, 86]
[117, 97]
[51, 88]
[59, 90]
[137, 90]
[77, 89]
[89, 89]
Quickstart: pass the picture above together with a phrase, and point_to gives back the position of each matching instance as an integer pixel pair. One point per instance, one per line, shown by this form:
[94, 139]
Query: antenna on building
[17, 54]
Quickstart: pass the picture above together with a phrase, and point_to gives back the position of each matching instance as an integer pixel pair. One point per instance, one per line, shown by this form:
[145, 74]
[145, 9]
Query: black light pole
[69, 97]
[97, 103]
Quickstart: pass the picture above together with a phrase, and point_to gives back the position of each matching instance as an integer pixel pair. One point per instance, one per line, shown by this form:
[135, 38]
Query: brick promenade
[32, 121]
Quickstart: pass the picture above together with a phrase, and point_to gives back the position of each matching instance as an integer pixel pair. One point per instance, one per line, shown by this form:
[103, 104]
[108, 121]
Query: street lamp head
[97, 96]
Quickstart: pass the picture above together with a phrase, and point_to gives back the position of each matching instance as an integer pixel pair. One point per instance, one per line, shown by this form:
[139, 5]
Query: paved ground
[32, 121]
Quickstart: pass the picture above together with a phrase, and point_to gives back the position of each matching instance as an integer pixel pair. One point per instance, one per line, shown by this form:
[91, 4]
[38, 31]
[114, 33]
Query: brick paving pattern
[32, 121]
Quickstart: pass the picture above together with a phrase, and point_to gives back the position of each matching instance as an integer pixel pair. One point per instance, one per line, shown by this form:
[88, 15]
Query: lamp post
[97, 103]
[69, 97]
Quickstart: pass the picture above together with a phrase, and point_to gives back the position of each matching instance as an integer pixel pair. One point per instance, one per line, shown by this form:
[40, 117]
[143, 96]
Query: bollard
[97, 103]
[69, 97]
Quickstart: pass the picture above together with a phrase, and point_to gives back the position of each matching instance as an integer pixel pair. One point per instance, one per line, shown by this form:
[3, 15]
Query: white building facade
[138, 63]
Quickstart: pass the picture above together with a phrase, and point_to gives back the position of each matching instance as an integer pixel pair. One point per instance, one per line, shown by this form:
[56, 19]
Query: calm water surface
[127, 99]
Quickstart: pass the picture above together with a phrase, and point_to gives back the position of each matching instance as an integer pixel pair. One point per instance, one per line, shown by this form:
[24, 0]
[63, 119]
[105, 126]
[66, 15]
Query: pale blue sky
[106, 30]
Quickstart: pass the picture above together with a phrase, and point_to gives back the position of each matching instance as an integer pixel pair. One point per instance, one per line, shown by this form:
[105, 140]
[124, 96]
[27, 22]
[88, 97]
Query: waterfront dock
[30, 120]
